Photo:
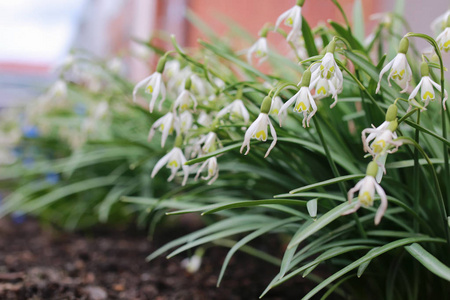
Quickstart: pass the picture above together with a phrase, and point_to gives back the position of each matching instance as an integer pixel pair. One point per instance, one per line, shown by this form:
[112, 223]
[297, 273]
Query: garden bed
[37, 263]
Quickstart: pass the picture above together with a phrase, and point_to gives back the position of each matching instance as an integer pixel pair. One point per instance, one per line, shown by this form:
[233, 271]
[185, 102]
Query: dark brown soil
[106, 264]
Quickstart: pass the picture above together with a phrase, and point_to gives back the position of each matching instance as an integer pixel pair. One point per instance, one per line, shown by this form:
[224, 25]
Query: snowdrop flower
[426, 85]
[154, 85]
[292, 18]
[174, 160]
[443, 39]
[373, 132]
[193, 263]
[277, 103]
[367, 187]
[58, 91]
[212, 168]
[204, 119]
[166, 125]
[400, 69]
[258, 129]
[304, 101]
[260, 49]
[185, 97]
[382, 140]
[210, 142]
[326, 77]
[186, 121]
[236, 110]
[440, 22]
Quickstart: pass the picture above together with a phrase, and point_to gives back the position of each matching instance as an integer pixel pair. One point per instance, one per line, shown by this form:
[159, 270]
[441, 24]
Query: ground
[110, 264]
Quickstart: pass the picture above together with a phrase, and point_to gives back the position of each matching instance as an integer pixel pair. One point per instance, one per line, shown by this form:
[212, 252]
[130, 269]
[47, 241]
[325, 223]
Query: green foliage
[298, 193]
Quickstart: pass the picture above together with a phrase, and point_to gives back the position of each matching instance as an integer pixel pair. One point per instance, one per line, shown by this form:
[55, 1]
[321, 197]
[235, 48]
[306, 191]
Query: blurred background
[37, 36]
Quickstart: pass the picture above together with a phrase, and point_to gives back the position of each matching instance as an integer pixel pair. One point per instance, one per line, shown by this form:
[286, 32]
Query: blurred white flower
[212, 168]
[183, 100]
[166, 125]
[260, 50]
[292, 18]
[154, 86]
[236, 110]
[174, 160]
[443, 40]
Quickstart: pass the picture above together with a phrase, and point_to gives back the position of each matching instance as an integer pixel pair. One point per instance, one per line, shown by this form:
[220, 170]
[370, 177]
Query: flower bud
[372, 169]
[265, 106]
[300, 2]
[393, 125]
[161, 64]
[424, 70]
[391, 113]
[306, 78]
[403, 46]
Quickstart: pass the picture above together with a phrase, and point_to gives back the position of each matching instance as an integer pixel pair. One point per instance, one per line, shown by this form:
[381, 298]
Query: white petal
[161, 163]
[384, 70]
[139, 85]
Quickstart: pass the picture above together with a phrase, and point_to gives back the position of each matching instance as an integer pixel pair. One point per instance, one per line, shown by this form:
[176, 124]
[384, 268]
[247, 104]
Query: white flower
[324, 87]
[258, 130]
[427, 94]
[383, 142]
[292, 18]
[277, 103]
[326, 77]
[440, 22]
[443, 40]
[166, 124]
[304, 102]
[327, 68]
[204, 119]
[213, 170]
[236, 110]
[58, 91]
[260, 49]
[373, 133]
[210, 142]
[183, 99]
[400, 71]
[186, 121]
[154, 86]
[174, 160]
[366, 188]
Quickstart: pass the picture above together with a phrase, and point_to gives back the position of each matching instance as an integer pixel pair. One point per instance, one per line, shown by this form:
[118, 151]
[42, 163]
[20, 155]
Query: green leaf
[239, 204]
[310, 45]
[364, 265]
[358, 21]
[322, 222]
[429, 261]
[326, 182]
[251, 236]
[369, 256]
[344, 33]
[215, 153]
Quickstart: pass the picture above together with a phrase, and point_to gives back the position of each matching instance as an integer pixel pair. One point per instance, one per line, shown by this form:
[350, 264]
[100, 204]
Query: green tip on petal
[447, 24]
[393, 125]
[265, 106]
[306, 78]
[300, 2]
[391, 113]
[403, 46]
[372, 169]
[161, 64]
[424, 70]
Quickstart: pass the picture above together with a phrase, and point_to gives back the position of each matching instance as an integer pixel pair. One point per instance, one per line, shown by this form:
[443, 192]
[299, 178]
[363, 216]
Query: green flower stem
[416, 177]
[433, 43]
[336, 174]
